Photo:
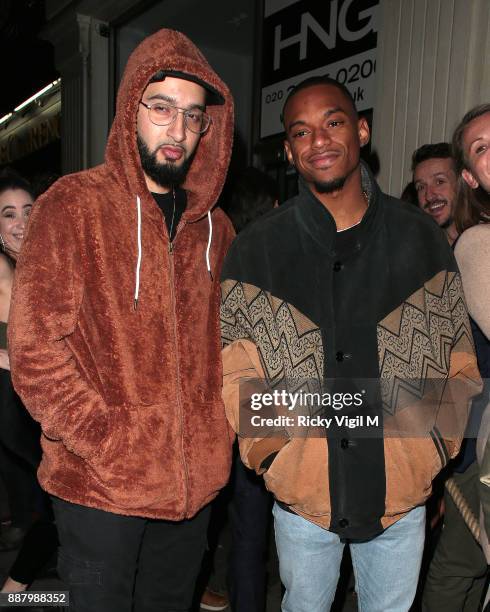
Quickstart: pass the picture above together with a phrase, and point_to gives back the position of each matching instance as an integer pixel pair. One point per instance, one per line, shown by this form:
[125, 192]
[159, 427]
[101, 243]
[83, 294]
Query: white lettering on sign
[338, 25]
[357, 73]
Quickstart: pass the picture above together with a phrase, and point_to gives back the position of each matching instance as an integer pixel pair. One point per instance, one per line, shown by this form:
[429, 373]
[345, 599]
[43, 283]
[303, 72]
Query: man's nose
[320, 137]
[431, 193]
[177, 128]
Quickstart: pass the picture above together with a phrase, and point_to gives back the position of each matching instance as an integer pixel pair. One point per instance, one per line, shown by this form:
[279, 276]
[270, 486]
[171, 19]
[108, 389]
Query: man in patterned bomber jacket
[345, 282]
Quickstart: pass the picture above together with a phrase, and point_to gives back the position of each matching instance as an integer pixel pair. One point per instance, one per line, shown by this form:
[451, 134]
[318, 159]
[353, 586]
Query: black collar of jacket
[319, 223]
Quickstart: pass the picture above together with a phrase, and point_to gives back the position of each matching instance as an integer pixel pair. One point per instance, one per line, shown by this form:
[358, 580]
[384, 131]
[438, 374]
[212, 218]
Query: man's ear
[470, 179]
[363, 131]
[289, 155]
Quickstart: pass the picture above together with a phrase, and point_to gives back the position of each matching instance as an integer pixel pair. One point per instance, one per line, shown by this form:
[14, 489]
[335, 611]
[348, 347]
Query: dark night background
[27, 61]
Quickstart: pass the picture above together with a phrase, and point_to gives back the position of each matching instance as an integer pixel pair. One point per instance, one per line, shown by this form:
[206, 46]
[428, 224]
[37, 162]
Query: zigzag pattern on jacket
[416, 339]
[289, 344]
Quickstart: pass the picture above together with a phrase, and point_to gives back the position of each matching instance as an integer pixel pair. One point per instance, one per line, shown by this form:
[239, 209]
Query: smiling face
[435, 183]
[166, 150]
[15, 206]
[324, 136]
[476, 145]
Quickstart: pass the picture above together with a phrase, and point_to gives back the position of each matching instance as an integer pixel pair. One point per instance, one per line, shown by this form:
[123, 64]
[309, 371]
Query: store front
[30, 138]
[414, 67]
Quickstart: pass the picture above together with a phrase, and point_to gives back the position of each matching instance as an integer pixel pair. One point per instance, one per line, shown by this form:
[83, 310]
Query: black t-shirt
[165, 203]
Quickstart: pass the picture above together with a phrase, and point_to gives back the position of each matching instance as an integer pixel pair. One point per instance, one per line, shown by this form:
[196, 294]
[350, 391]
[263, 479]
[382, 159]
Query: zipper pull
[170, 247]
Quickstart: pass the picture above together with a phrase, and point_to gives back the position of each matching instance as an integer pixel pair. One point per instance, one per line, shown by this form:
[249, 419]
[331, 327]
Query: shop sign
[32, 136]
[305, 38]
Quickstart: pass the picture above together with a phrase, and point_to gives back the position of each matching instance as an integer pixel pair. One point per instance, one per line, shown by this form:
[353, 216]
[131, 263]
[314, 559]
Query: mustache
[169, 144]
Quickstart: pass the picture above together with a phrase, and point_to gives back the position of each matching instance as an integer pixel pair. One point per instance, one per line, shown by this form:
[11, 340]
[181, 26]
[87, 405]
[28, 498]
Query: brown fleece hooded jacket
[129, 399]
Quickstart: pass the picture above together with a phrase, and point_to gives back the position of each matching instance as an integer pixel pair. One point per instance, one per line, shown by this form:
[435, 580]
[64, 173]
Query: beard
[335, 184]
[166, 174]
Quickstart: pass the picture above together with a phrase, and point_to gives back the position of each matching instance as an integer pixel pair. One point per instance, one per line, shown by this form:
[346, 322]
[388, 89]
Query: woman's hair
[9, 179]
[472, 205]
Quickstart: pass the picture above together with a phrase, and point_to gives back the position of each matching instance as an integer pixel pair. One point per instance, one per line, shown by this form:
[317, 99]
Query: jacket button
[344, 443]
[339, 356]
[343, 523]
[337, 266]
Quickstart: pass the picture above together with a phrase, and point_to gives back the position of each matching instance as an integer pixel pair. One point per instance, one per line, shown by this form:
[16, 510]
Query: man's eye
[419, 187]
[194, 117]
[480, 149]
[299, 134]
[161, 109]
[334, 123]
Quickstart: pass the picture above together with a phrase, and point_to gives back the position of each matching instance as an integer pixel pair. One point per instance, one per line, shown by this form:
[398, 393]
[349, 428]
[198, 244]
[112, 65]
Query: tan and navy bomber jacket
[381, 302]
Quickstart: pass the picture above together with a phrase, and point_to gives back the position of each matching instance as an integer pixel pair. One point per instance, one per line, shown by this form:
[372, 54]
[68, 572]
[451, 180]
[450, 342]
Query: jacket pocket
[298, 476]
[139, 466]
[410, 466]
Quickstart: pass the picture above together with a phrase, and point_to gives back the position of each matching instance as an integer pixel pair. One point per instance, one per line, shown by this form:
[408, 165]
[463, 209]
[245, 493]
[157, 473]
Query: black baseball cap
[213, 96]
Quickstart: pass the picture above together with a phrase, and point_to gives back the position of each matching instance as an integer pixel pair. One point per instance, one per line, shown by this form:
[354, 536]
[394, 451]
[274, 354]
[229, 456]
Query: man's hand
[4, 360]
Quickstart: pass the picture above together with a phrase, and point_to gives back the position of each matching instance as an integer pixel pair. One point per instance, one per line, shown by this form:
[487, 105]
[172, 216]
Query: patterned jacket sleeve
[243, 375]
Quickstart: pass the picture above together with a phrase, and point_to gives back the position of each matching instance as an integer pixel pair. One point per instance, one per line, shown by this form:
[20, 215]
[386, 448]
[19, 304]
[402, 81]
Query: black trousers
[38, 547]
[22, 487]
[115, 563]
[251, 518]
[19, 433]
[458, 569]
[20, 453]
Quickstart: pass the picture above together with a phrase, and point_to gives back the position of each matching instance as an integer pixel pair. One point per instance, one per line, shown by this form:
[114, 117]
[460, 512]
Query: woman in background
[19, 436]
[31, 527]
[16, 199]
[471, 150]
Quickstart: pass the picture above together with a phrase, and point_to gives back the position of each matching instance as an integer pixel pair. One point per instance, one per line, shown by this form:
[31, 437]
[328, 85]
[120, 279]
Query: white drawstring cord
[209, 244]
[138, 263]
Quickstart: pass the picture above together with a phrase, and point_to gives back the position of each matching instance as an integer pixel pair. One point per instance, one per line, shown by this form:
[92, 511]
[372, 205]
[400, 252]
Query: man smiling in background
[435, 182]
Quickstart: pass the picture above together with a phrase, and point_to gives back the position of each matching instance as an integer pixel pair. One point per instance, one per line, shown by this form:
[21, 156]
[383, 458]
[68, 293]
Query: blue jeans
[386, 568]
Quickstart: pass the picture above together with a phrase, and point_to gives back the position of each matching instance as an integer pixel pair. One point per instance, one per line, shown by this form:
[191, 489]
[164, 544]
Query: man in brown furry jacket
[114, 337]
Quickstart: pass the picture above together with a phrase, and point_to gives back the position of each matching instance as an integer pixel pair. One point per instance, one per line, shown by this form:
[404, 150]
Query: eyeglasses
[162, 113]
